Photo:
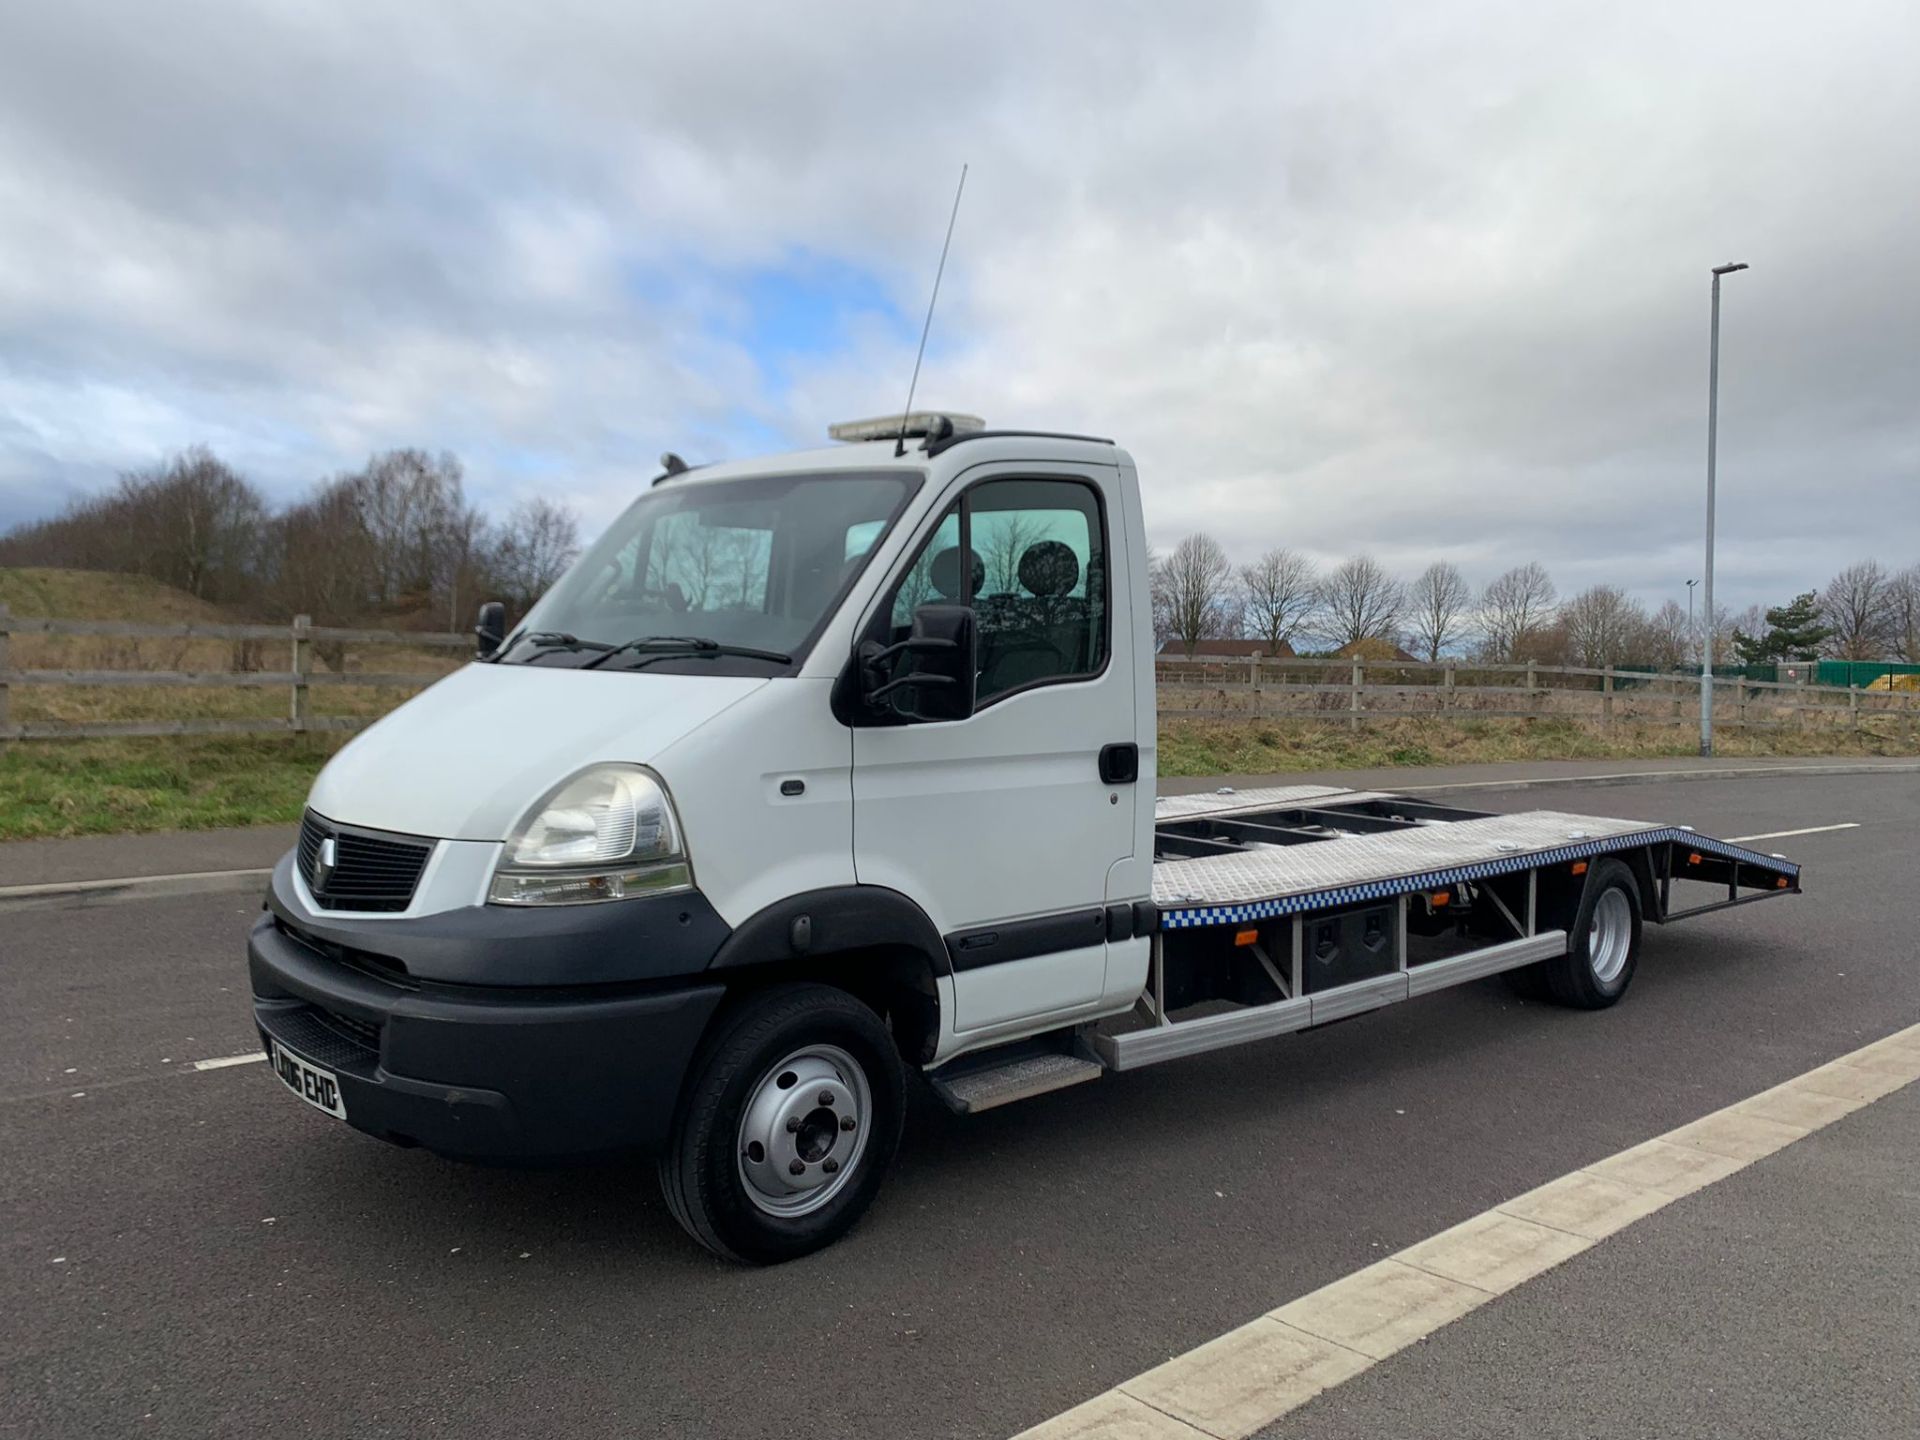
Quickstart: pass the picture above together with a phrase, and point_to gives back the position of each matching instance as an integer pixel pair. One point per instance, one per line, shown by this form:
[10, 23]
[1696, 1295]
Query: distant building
[1229, 649]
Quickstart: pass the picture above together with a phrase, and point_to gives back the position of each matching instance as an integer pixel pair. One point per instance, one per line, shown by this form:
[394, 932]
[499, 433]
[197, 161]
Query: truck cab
[863, 733]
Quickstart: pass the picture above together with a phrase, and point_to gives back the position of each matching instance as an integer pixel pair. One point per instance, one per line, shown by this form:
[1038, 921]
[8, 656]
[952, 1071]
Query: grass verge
[1260, 747]
[96, 787]
[91, 787]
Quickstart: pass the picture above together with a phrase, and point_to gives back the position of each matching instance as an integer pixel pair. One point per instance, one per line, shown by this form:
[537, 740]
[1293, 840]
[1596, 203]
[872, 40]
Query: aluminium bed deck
[1237, 856]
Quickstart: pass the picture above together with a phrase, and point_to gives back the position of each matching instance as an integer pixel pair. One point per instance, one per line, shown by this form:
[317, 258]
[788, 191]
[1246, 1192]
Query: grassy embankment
[78, 787]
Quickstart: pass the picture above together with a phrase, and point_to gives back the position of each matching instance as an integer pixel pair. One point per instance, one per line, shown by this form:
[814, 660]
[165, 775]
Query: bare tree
[1666, 641]
[538, 542]
[1903, 614]
[1855, 607]
[1514, 606]
[1278, 593]
[1437, 608]
[1360, 601]
[1602, 625]
[322, 559]
[192, 522]
[1195, 581]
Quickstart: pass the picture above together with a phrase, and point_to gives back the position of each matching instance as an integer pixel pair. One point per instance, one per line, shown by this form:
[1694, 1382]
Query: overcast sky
[1426, 281]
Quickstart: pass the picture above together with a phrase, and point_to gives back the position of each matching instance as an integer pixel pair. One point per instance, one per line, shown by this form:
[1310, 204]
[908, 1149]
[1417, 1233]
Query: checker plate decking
[1264, 881]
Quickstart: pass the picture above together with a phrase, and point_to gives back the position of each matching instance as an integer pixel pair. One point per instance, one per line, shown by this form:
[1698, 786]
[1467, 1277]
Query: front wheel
[1604, 942]
[791, 1116]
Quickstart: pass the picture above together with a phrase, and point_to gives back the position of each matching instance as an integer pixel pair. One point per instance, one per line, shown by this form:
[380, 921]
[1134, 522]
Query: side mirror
[945, 668]
[491, 629]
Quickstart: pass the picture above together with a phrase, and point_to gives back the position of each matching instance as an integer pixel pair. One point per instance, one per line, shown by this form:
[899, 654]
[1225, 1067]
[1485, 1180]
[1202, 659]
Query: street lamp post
[1713, 423]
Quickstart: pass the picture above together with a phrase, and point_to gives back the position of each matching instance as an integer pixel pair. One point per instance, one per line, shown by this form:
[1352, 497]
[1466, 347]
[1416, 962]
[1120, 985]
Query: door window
[1035, 575]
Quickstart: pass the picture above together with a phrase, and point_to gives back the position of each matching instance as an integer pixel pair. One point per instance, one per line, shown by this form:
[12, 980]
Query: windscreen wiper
[550, 640]
[669, 647]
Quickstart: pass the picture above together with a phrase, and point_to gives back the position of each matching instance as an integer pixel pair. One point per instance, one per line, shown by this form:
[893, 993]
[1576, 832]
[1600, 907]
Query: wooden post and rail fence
[1201, 689]
[302, 638]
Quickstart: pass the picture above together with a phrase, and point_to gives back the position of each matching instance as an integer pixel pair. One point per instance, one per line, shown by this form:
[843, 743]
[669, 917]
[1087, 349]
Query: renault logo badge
[323, 867]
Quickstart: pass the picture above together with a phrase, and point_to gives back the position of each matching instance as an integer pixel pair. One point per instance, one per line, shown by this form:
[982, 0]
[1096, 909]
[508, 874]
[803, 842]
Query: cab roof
[968, 447]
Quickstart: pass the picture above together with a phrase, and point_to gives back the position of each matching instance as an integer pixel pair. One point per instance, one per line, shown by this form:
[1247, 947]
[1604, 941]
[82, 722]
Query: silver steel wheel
[1610, 935]
[804, 1130]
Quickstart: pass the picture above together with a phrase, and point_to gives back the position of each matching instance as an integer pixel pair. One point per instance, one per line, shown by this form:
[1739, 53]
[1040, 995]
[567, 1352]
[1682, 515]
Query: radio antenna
[900, 444]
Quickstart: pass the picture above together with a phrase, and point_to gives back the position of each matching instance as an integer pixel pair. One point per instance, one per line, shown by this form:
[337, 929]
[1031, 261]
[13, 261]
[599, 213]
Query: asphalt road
[195, 1253]
[1799, 1315]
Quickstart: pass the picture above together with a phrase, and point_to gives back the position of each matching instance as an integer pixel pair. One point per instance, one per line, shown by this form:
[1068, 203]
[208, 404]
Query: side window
[1037, 581]
[1042, 611]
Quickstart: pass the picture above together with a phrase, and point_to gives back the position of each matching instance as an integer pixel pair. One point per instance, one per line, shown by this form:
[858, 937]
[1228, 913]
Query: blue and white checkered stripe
[1183, 919]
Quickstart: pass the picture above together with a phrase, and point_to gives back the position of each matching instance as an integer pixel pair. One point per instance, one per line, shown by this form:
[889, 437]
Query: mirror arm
[915, 646]
[917, 678]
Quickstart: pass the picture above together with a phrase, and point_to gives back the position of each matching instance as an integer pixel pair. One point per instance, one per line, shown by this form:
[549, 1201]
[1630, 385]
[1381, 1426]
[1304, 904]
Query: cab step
[975, 1083]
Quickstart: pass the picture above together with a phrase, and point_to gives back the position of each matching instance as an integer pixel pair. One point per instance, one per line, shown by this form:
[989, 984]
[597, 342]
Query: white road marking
[1250, 1377]
[1783, 834]
[226, 1060]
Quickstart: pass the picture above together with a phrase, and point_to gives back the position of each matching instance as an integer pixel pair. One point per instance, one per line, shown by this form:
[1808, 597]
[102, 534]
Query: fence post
[1354, 708]
[1253, 675]
[1606, 699]
[302, 667]
[1533, 698]
[1448, 700]
[1853, 704]
[5, 665]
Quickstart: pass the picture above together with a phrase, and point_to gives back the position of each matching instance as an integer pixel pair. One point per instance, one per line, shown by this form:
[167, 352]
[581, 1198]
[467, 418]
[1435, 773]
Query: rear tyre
[791, 1116]
[1604, 941]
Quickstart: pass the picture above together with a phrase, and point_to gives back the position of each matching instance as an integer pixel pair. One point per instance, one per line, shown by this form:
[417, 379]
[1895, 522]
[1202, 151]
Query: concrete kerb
[81, 894]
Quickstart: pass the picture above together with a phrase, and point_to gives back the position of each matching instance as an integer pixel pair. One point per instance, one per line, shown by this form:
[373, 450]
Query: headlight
[606, 834]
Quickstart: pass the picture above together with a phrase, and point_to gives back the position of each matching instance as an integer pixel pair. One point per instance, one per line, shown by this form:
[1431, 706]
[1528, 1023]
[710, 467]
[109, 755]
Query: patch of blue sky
[808, 306]
[801, 308]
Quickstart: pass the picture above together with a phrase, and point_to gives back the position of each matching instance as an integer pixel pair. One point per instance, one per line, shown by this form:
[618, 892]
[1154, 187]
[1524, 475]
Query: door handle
[1119, 763]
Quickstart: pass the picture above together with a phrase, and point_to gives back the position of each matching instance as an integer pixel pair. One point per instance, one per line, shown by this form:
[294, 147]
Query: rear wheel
[791, 1117]
[1603, 941]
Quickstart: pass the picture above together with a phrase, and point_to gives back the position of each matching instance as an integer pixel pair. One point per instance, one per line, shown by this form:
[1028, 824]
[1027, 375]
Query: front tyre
[1604, 942]
[791, 1116]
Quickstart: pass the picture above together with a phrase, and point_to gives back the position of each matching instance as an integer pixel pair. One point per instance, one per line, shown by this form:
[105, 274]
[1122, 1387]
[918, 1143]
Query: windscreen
[754, 563]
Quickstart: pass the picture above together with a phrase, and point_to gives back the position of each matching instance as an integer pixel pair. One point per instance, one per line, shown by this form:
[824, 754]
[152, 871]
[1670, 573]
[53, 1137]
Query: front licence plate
[312, 1084]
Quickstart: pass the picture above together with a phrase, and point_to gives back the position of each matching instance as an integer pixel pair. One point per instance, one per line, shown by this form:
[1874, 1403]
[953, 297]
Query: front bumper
[470, 1070]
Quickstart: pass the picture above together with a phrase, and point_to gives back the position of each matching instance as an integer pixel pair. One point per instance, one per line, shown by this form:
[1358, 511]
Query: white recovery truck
[818, 769]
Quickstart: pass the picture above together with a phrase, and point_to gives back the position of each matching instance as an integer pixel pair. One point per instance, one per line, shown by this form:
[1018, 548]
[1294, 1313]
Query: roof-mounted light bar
[915, 423]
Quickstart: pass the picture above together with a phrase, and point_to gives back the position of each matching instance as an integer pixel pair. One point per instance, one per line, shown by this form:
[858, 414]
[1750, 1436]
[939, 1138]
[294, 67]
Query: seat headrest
[1049, 568]
[944, 573]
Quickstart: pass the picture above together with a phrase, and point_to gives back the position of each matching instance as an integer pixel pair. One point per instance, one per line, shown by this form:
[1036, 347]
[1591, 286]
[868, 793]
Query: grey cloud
[1408, 279]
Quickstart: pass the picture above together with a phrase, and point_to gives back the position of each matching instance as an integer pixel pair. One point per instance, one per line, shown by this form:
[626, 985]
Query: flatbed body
[1283, 908]
[1238, 855]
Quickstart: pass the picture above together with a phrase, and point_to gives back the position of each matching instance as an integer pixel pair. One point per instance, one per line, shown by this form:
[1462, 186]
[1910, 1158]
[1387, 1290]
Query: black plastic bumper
[481, 1072]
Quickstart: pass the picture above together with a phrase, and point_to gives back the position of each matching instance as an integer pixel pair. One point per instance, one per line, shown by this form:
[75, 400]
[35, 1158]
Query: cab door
[1000, 825]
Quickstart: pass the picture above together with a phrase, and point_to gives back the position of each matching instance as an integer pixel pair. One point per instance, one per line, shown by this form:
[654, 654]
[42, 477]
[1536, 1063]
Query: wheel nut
[796, 1167]
[793, 1124]
[846, 1122]
[830, 1165]
[826, 1098]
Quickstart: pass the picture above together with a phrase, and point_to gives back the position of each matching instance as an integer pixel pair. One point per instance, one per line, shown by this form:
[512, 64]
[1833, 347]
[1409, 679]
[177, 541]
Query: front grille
[314, 1035]
[372, 870]
[363, 1032]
